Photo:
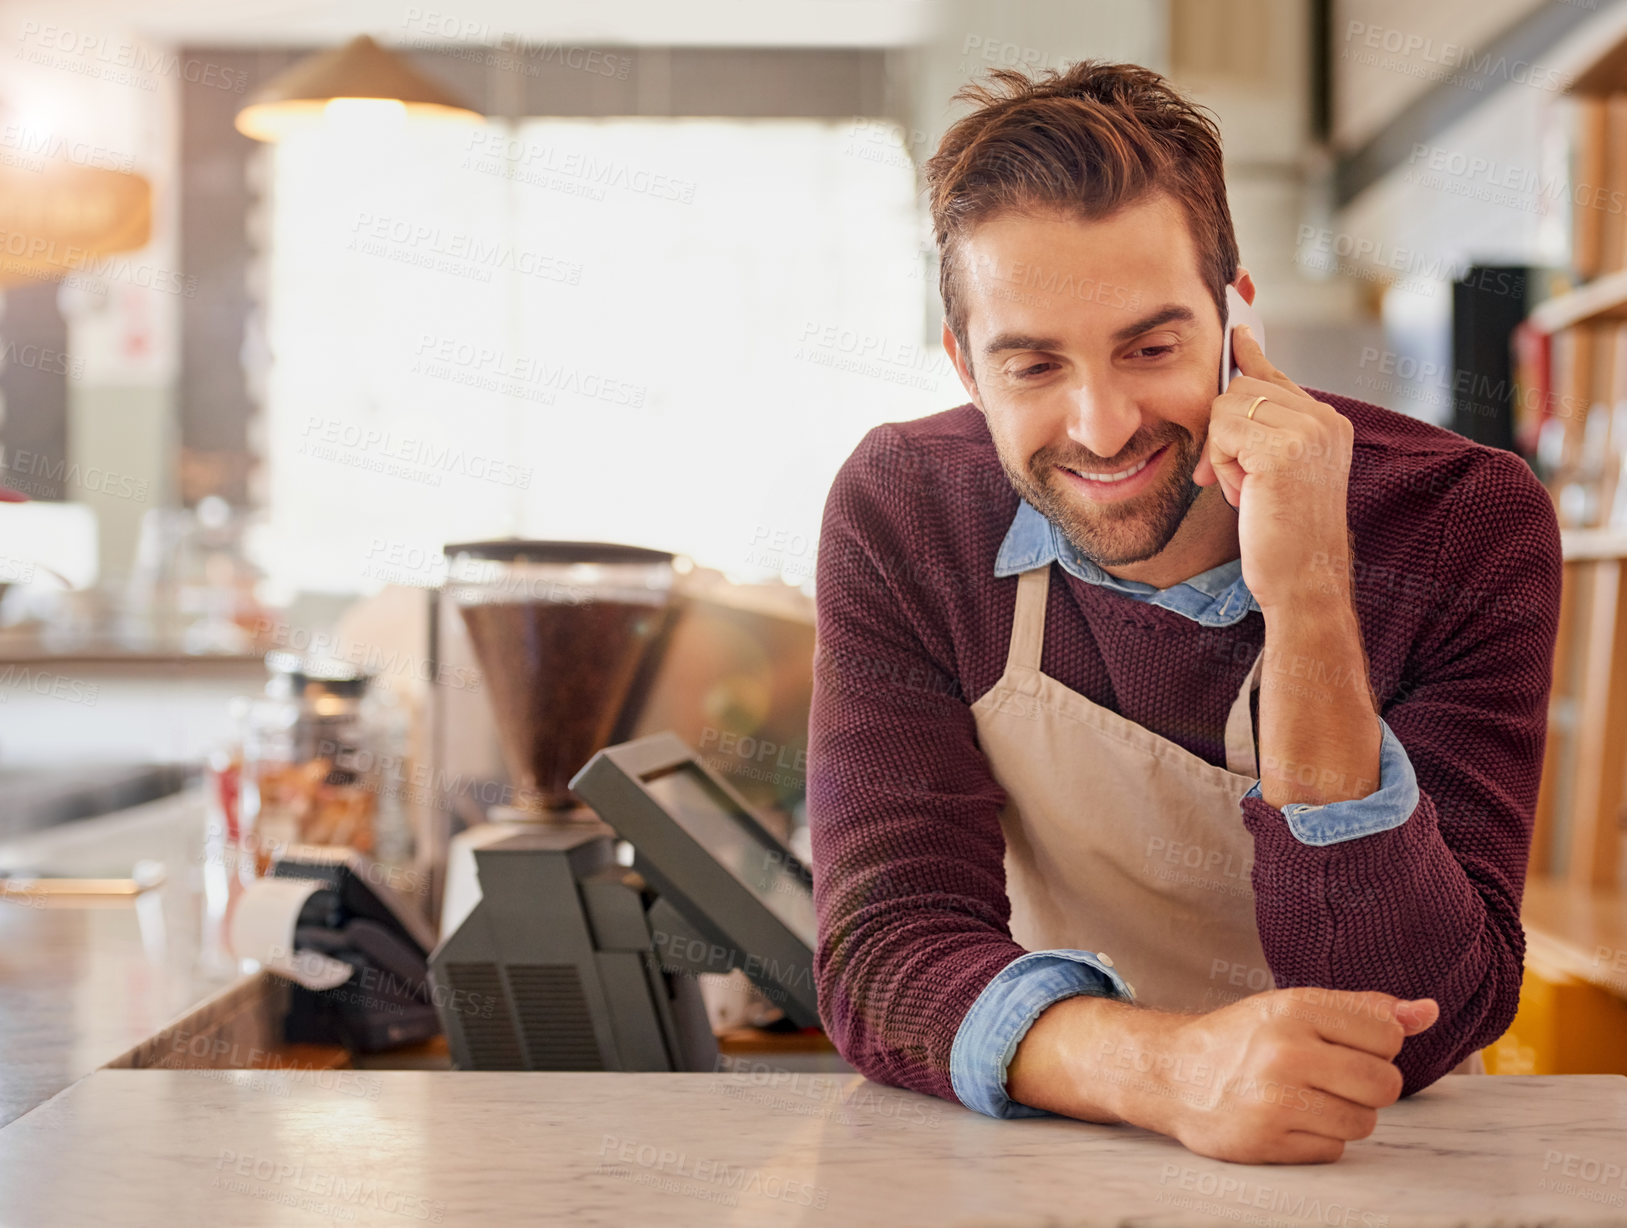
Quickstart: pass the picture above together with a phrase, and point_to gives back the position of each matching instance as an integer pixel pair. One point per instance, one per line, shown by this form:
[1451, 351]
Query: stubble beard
[1120, 533]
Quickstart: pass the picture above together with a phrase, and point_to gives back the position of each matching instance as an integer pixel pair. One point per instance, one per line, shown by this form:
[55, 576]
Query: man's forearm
[1319, 728]
[1092, 1059]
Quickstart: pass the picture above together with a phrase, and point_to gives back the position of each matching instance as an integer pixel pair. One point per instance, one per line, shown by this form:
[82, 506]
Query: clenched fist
[1284, 1077]
[1295, 1073]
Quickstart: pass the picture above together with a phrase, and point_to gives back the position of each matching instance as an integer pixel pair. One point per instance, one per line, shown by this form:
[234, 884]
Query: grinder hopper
[567, 635]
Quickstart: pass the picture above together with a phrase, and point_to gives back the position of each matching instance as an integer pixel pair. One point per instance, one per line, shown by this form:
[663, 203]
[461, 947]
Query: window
[668, 333]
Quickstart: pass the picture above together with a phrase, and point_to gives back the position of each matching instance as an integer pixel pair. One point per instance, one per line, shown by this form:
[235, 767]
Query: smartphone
[1237, 312]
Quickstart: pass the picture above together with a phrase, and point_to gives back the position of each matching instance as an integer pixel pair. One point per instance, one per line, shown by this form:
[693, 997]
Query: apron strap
[1240, 724]
[1028, 623]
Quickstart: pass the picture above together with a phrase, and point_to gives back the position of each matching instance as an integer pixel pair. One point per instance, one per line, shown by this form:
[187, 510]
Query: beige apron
[1123, 842]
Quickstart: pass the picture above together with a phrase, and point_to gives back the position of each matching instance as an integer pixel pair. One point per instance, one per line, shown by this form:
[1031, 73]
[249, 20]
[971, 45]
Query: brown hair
[1086, 141]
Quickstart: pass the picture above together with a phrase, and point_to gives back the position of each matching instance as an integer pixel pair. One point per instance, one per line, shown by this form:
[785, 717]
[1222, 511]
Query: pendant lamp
[359, 78]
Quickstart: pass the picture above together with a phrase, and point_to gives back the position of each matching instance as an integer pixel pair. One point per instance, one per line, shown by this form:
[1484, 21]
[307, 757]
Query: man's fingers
[1303, 1147]
[1251, 360]
[1248, 355]
[1418, 1015]
[1230, 428]
[1340, 1119]
[1362, 1020]
[1352, 1077]
[1203, 473]
[1230, 475]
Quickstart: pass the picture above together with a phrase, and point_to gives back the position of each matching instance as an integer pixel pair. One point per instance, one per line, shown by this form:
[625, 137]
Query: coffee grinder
[552, 646]
[545, 959]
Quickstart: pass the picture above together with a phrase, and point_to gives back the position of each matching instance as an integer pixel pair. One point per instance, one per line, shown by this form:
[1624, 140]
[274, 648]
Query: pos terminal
[575, 960]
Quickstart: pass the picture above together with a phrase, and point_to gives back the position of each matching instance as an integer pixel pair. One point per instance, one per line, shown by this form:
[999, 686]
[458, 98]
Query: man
[1173, 753]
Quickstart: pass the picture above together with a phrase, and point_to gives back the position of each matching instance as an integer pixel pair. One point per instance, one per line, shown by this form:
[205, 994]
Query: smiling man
[1173, 752]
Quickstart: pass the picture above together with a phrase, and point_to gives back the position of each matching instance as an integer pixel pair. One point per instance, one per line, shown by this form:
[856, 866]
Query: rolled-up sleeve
[1388, 806]
[1007, 1008]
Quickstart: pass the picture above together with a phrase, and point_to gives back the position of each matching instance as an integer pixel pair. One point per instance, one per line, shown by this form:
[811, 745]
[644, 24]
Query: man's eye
[1154, 351]
[1034, 371]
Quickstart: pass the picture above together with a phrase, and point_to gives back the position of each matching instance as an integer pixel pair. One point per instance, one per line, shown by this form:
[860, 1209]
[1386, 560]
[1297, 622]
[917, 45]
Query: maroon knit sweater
[1457, 571]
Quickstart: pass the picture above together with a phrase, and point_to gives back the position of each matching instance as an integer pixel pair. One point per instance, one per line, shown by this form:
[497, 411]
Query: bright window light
[668, 333]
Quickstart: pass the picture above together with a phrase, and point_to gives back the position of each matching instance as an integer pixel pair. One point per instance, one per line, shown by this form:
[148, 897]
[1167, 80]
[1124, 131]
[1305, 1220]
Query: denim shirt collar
[1214, 598]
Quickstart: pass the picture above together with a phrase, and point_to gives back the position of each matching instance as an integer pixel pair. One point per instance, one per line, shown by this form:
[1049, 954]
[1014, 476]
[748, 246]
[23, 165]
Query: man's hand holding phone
[1282, 459]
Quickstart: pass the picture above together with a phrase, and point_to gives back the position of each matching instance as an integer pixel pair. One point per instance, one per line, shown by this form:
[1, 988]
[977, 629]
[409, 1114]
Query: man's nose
[1102, 419]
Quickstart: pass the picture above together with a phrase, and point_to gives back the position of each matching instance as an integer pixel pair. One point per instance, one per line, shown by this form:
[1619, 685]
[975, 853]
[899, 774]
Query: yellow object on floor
[1564, 1026]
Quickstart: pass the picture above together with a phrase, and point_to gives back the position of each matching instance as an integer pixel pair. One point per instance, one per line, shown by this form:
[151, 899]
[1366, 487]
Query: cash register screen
[708, 815]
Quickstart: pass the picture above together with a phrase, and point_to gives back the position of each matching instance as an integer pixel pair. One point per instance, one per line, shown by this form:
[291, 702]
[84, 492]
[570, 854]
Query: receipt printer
[359, 956]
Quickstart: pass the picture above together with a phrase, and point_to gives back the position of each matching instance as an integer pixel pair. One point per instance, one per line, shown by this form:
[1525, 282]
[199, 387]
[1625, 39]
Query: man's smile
[1119, 484]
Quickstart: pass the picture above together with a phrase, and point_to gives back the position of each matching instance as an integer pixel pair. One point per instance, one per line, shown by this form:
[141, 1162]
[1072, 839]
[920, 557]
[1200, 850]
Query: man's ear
[1245, 285]
[962, 369]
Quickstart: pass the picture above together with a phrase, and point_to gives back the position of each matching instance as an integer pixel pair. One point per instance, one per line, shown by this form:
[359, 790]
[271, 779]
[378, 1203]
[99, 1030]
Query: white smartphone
[1238, 312]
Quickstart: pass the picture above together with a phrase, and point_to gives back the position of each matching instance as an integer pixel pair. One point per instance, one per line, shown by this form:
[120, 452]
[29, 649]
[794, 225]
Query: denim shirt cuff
[1387, 807]
[996, 1023]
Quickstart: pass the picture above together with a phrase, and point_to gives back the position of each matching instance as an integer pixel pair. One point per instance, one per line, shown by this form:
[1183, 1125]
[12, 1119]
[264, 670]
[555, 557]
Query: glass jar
[323, 763]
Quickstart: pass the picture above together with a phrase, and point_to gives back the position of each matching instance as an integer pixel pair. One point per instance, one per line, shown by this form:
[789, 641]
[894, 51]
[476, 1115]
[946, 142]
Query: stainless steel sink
[36, 798]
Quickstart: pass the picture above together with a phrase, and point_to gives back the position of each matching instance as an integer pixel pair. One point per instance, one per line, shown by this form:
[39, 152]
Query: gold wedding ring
[1254, 407]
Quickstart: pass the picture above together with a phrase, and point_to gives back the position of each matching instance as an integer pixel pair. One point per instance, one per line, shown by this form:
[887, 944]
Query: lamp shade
[360, 75]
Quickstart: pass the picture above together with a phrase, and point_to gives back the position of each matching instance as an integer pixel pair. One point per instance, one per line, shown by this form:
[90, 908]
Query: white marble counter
[147, 1147]
[81, 984]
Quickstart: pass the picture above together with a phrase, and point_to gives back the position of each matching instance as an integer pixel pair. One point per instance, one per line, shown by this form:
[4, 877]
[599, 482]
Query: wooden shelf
[1605, 70]
[1603, 298]
[1577, 545]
